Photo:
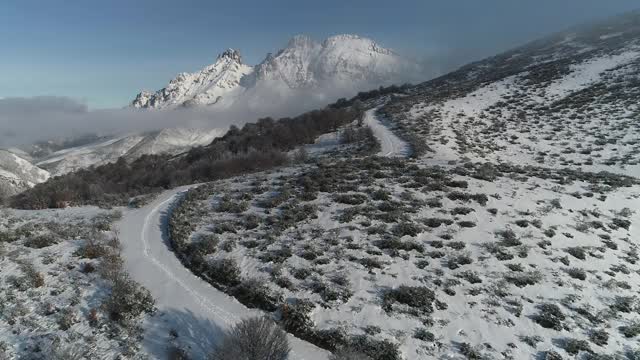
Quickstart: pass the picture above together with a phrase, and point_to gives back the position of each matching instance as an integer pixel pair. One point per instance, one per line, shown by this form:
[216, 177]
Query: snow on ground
[346, 249]
[52, 292]
[580, 115]
[589, 72]
[18, 174]
[324, 143]
[129, 146]
[195, 310]
[391, 145]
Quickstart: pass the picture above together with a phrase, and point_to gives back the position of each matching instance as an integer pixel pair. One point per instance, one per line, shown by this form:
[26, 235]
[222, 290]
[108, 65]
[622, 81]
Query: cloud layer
[24, 121]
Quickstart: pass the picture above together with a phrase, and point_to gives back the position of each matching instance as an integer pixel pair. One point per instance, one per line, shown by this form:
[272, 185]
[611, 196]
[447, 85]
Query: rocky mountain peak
[231, 54]
[300, 41]
[303, 64]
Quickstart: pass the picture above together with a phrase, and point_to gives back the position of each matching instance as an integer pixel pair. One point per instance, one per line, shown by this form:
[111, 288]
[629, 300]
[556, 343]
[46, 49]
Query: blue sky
[104, 52]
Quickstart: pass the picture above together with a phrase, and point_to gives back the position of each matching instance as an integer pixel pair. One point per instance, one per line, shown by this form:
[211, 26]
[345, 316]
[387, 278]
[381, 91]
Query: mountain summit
[206, 86]
[341, 60]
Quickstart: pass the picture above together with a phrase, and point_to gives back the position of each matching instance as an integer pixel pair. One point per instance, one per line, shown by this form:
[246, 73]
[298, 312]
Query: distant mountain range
[348, 62]
[339, 62]
[20, 170]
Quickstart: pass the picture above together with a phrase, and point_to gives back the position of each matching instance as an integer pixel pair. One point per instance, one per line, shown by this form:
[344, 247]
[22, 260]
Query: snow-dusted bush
[551, 355]
[509, 238]
[128, 299]
[93, 248]
[599, 337]
[296, 318]
[67, 318]
[228, 204]
[253, 339]
[461, 210]
[481, 199]
[348, 354]
[32, 277]
[577, 273]
[395, 243]
[41, 241]
[224, 272]
[206, 245]
[577, 252]
[417, 297]
[350, 199]
[435, 222]
[549, 316]
[631, 330]
[253, 293]
[376, 349]
[522, 279]
[424, 335]
[575, 346]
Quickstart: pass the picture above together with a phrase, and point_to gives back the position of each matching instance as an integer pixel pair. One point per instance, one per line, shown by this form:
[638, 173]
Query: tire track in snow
[225, 316]
[390, 144]
[137, 228]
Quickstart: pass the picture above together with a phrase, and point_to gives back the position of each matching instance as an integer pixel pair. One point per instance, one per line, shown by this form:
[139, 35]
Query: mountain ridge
[340, 60]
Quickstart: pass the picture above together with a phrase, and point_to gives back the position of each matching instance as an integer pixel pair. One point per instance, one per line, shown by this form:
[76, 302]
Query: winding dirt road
[391, 145]
[187, 305]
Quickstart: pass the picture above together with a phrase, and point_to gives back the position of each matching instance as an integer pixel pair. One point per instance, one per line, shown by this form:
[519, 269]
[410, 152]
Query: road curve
[390, 144]
[188, 306]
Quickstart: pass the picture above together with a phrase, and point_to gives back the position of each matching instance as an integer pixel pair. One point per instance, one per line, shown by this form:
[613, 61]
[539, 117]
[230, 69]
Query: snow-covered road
[197, 311]
[390, 144]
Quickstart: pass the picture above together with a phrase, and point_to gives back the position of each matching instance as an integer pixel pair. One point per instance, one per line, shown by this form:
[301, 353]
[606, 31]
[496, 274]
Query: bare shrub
[128, 299]
[254, 293]
[550, 316]
[254, 339]
[417, 297]
[348, 354]
[32, 277]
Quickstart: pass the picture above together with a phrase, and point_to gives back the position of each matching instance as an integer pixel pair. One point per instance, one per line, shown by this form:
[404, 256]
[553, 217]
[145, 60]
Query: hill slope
[18, 174]
[501, 236]
[570, 100]
[130, 146]
[510, 234]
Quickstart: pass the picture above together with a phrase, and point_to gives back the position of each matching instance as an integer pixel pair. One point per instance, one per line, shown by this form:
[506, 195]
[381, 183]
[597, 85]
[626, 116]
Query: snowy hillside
[131, 147]
[491, 213]
[18, 174]
[510, 233]
[344, 60]
[64, 293]
[570, 100]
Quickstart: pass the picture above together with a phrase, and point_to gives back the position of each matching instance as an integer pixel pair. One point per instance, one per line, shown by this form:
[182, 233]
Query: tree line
[254, 147]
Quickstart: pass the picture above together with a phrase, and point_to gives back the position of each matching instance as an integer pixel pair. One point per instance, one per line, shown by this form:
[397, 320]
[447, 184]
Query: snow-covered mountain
[206, 86]
[130, 146]
[350, 61]
[17, 173]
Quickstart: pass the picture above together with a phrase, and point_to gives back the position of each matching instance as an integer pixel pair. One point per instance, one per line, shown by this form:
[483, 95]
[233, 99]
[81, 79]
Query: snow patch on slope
[131, 146]
[589, 72]
[390, 144]
[18, 174]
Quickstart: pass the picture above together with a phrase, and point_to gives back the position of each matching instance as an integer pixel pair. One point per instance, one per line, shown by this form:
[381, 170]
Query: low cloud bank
[24, 121]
